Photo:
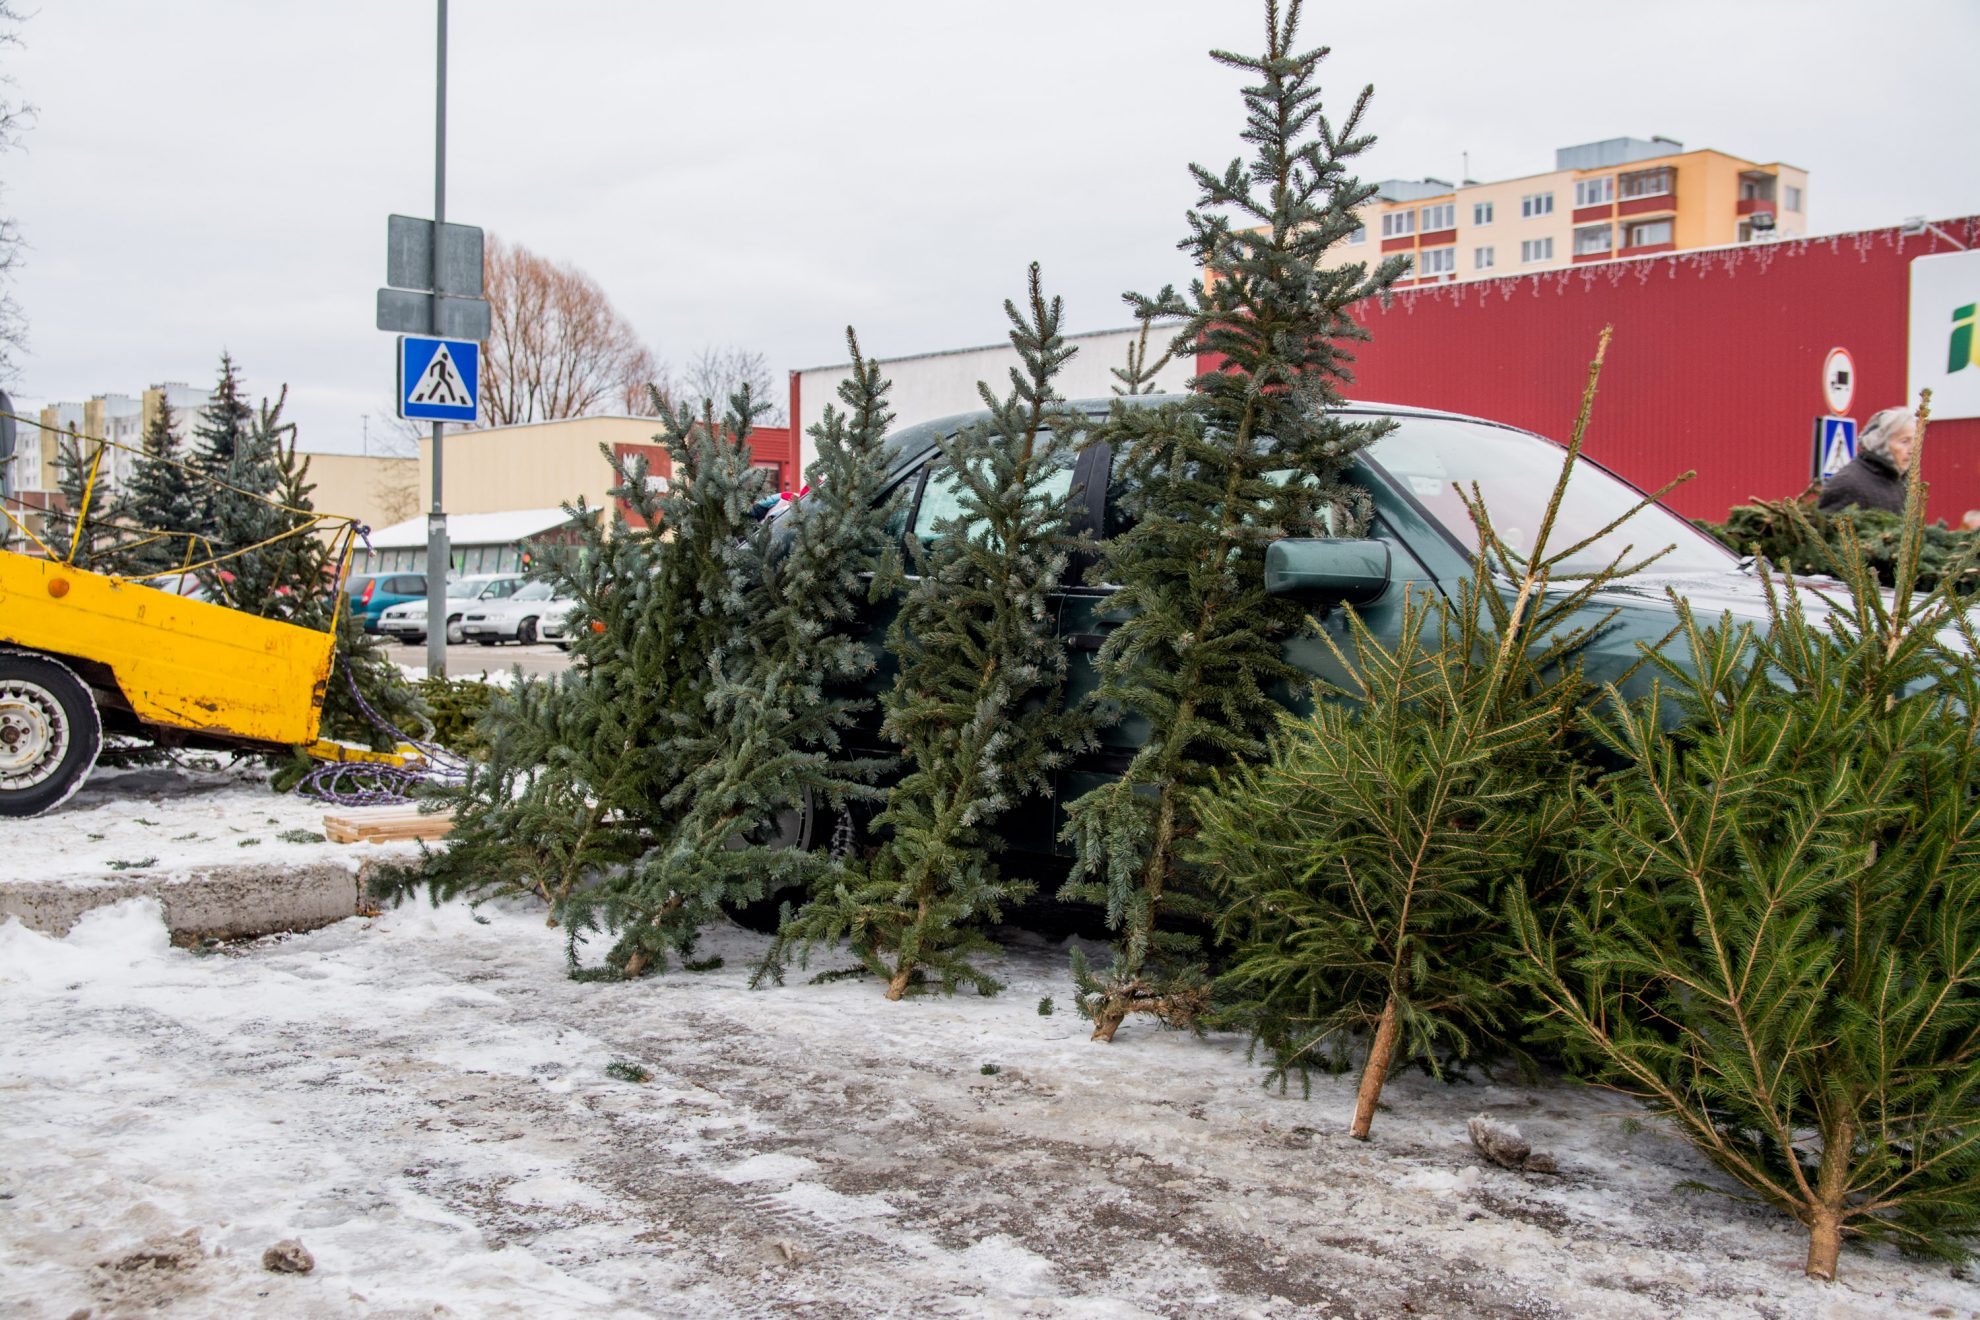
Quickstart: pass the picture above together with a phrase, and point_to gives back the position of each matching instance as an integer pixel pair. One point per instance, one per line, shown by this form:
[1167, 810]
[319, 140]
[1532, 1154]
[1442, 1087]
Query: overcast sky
[217, 173]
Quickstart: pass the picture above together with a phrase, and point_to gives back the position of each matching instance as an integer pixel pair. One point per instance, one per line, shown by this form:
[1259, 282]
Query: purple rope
[369, 784]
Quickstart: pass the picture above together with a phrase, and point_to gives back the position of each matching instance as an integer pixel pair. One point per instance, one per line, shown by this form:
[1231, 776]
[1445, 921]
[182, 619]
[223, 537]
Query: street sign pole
[438, 556]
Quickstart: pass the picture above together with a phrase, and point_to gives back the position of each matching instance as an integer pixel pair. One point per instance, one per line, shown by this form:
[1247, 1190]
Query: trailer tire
[50, 733]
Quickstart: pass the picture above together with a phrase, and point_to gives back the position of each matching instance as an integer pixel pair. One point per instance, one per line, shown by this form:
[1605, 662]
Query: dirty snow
[422, 1099]
[169, 821]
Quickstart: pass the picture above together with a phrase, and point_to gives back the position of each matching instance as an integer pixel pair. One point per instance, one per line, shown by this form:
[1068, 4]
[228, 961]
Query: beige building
[539, 464]
[376, 491]
[1623, 197]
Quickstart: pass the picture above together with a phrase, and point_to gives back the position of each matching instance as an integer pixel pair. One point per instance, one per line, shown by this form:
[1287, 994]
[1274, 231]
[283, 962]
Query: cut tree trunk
[1375, 1071]
[898, 986]
[1824, 1246]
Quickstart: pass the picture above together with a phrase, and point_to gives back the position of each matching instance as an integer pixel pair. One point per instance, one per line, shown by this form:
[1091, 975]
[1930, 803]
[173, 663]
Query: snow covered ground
[169, 820]
[423, 1099]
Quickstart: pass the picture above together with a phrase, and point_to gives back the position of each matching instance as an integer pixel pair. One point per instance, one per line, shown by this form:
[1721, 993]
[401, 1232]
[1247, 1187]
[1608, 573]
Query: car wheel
[49, 734]
[526, 632]
[806, 825]
[454, 634]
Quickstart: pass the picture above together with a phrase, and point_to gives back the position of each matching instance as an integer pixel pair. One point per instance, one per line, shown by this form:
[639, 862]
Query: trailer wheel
[49, 733]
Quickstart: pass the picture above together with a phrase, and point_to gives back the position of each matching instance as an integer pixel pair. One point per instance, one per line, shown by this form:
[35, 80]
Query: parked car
[556, 628]
[407, 622]
[1420, 539]
[517, 619]
[374, 593]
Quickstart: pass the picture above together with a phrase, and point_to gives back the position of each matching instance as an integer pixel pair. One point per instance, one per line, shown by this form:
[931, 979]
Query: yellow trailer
[76, 646]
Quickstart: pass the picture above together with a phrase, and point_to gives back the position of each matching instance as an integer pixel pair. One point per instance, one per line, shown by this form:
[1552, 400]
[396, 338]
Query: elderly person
[1874, 479]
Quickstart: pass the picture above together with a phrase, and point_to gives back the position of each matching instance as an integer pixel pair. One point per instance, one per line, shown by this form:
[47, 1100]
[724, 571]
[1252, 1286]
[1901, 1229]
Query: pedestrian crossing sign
[1835, 445]
[438, 379]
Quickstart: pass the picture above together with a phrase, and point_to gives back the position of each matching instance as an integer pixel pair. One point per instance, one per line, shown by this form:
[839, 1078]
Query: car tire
[454, 634]
[526, 632]
[50, 733]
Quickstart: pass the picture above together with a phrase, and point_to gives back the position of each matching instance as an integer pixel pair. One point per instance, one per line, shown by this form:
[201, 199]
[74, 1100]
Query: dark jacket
[1871, 481]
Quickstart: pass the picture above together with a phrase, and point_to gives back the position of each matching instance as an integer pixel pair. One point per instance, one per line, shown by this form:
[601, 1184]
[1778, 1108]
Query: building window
[1536, 249]
[1593, 240]
[1438, 217]
[1791, 197]
[1481, 258]
[1648, 183]
[1398, 224]
[1595, 192]
[1536, 204]
[1647, 233]
[1359, 234]
[1481, 213]
[1436, 263]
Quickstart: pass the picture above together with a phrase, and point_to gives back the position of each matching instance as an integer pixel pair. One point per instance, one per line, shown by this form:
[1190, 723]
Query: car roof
[913, 440]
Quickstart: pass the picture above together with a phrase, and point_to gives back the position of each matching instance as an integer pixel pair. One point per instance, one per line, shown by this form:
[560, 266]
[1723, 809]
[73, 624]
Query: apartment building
[118, 417]
[1623, 197]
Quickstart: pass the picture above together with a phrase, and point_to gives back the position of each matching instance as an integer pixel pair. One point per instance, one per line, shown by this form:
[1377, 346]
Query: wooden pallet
[386, 824]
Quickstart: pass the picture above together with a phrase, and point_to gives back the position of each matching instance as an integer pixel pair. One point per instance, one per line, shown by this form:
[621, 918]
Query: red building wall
[1715, 366]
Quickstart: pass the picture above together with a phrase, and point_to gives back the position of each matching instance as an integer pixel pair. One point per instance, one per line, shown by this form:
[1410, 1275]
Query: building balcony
[1750, 205]
[1590, 214]
[1651, 205]
[1405, 243]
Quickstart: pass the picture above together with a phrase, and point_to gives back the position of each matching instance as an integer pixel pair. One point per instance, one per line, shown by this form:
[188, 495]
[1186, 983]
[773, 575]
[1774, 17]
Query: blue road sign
[1835, 445]
[438, 378]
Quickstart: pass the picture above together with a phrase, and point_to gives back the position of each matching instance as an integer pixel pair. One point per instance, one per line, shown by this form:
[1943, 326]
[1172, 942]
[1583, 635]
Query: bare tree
[719, 371]
[557, 347]
[15, 117]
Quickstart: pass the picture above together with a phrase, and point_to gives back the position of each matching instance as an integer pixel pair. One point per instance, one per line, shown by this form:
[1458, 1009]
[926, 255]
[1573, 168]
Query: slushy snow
[422, 1099]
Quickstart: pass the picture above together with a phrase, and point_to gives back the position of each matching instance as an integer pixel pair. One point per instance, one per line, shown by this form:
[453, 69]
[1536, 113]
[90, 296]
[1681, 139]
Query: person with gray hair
[1874, 479]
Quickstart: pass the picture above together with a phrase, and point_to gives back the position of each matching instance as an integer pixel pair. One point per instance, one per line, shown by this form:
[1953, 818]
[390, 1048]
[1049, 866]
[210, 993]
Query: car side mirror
[1333, 572]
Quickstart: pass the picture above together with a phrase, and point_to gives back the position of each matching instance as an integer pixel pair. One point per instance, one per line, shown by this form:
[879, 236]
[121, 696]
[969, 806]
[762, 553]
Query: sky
[216, 174]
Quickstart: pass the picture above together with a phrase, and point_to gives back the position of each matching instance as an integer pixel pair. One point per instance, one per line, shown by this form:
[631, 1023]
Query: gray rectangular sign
[403, 312]
[409, 257]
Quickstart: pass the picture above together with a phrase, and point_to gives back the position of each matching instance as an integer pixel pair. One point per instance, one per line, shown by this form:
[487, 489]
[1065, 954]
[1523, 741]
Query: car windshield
[533, 591]
[1515, 472]
[465, 587]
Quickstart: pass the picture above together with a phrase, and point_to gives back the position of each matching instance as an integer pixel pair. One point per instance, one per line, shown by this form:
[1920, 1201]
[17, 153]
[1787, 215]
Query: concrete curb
[235, 901]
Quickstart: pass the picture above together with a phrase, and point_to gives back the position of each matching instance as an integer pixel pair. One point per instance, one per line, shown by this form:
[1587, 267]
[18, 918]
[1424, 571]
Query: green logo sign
[1964, 349]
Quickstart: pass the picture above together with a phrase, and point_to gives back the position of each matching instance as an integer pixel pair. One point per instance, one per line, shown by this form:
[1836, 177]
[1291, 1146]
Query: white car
[517, 619]
[407, 622]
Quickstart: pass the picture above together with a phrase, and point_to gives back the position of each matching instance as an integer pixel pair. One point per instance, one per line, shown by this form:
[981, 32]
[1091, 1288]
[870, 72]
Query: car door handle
[1085, 641]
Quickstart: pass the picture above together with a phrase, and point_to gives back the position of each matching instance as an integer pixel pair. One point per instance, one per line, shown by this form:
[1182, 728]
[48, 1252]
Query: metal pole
[437, 554]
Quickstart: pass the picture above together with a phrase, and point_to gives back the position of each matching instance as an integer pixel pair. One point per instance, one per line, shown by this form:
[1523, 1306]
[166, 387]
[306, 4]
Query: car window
[1515, 473]
[356, 583]
[533, 591]
[463, 590]
[408, 586]
[941, 499]
[1124, 503]
[501, 589]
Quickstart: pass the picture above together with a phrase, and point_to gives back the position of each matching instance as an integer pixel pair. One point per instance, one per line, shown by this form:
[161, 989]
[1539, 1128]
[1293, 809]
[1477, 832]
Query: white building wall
[931, 385]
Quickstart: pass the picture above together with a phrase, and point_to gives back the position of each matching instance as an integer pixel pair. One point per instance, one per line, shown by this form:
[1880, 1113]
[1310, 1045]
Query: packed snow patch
[422, 1100]
[170, 821]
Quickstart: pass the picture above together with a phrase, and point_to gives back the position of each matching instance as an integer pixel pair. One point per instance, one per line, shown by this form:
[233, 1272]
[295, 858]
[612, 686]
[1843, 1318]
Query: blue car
[374, 593]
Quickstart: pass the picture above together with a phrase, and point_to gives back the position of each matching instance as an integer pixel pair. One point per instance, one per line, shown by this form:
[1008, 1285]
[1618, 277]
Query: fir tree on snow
[635, 791]
[1776, 943]
[1366, 864]
[163, 500]
[1252, 455]
[977, 708]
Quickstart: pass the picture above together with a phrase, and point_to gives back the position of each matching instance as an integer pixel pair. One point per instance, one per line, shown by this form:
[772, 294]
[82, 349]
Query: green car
[1420, 539]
